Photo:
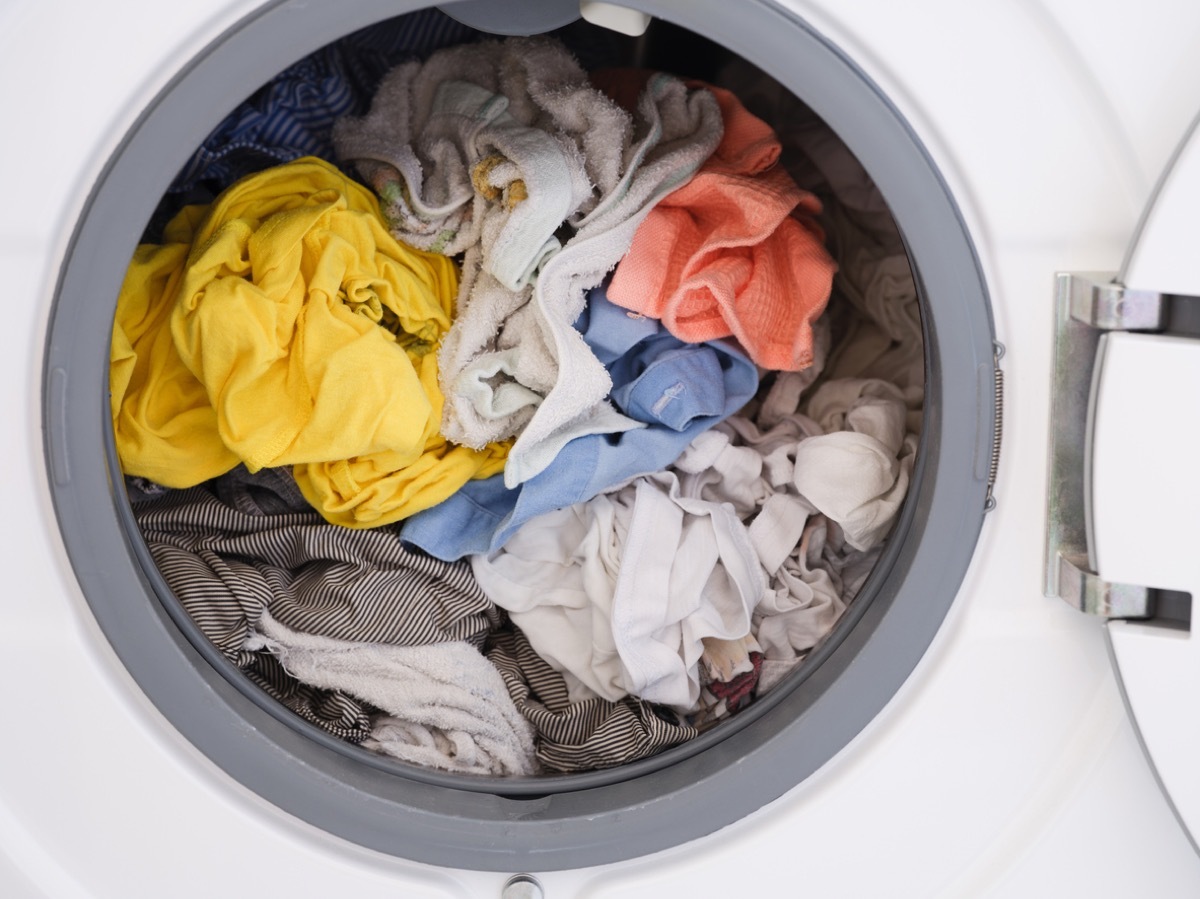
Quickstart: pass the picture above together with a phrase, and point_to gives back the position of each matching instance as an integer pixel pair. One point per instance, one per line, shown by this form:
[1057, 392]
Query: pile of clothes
[499, 419]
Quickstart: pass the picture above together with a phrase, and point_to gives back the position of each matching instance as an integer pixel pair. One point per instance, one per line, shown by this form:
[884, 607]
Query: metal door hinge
[1092, 594]
[1087, 306]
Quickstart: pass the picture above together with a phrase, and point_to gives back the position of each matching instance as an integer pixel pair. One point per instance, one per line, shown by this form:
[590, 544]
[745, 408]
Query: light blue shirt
[677, 389]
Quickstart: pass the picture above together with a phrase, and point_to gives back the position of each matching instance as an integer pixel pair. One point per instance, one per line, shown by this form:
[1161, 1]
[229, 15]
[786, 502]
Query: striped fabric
[240, 544]
[585, 735]
[226, 565]
[244, 543]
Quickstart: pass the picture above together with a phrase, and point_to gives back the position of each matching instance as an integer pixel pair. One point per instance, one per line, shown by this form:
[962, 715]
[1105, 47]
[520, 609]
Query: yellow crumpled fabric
[283, 325]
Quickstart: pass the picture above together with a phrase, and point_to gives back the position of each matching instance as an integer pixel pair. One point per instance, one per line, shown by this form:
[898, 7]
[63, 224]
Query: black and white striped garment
[585, 735]
[226, 564]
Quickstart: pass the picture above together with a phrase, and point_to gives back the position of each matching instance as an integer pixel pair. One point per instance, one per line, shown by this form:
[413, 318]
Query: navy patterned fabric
[293, 114]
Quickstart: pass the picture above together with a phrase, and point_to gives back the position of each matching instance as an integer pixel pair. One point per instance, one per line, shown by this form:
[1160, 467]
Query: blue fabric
[678, 389]
[293, 114]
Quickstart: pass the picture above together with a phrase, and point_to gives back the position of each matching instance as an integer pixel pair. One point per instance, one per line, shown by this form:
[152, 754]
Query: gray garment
[270, 491]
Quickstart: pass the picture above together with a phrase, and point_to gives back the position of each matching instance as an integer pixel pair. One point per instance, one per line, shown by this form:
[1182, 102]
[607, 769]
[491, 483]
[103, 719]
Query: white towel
[447, 704]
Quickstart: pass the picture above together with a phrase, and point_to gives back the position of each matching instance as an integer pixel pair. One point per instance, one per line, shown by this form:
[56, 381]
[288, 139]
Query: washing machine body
[1006, 762]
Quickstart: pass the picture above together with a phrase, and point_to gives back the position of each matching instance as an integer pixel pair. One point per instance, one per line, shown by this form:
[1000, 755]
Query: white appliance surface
[1007, 764]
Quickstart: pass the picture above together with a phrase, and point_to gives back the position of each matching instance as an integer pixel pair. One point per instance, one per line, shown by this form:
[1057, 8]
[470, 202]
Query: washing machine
[1007, 712]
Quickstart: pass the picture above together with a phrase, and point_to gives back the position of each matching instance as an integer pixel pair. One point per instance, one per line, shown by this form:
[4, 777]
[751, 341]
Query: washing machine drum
[562, 820]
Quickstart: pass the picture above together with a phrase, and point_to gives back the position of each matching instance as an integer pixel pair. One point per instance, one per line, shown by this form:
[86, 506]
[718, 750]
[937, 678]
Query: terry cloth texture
[446, 706]
[285, 326]
[813, 153]
[292, 115]
[342, 716]
[675, 389]
[618, 593]
[579, 735]
[504, 151]
[736, 251]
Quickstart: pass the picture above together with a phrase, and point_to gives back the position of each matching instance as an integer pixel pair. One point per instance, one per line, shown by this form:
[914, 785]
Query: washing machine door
[1128, 551]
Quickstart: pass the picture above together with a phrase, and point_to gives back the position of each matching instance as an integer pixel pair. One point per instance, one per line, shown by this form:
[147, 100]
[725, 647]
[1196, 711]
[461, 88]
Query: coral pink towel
[736, 250]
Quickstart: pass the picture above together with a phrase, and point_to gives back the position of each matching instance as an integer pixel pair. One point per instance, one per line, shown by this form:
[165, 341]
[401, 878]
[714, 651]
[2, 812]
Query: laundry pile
[500, 420]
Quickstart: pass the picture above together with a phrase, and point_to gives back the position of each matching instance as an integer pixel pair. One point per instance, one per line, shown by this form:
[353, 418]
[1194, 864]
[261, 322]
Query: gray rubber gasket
[555, 823]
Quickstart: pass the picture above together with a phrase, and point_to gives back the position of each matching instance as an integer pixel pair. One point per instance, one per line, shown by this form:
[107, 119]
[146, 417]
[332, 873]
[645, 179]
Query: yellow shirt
[283, 325]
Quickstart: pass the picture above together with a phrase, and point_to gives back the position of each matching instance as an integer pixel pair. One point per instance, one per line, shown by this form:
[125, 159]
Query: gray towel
[501, 150]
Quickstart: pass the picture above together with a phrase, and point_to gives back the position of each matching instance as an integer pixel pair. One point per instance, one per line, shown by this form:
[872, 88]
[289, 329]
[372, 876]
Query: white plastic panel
[1091, 32]
[69, 98]
[1163, 256]
[1146, 497]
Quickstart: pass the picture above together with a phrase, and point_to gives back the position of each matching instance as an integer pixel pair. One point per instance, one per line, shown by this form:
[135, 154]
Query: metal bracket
[1096, 596]
[1110, 307]
[1087, 305]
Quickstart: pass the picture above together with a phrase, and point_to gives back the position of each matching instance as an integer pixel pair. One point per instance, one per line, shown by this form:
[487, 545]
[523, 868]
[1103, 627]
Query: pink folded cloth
[735, 251]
